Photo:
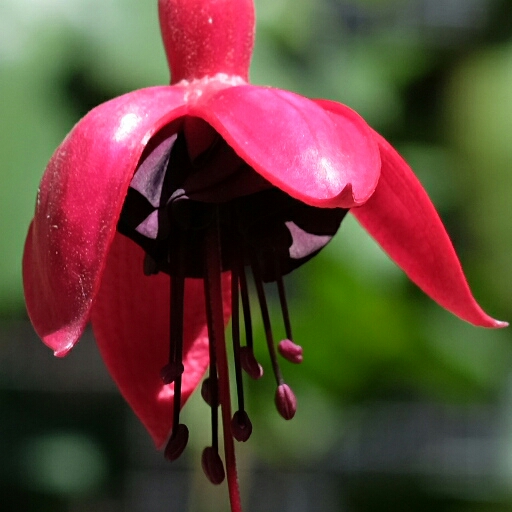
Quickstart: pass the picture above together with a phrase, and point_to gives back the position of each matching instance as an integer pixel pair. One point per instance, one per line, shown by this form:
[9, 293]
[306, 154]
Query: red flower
[206, 175]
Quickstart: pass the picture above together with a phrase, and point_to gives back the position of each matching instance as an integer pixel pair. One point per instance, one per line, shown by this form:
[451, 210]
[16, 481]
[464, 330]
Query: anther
[286, 402]
[208, 394]
[212, 465]
[241, 426]
[250, 364]
[290, 351]
[171, 371]
[177, 442]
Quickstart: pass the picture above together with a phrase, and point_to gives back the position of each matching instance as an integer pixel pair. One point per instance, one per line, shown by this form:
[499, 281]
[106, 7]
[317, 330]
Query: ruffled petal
[322, 158]
[78, 205]
[403, 220]
[130, 319]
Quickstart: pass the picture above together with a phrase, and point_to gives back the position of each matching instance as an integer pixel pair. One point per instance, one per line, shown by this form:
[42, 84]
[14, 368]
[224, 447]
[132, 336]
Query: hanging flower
[152, 208]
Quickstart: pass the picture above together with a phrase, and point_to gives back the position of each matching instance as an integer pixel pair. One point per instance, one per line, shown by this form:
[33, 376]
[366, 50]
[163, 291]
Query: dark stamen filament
[287, 348]
[246, 307]
[212, 382]
[282, 300]
[247, 359]
[173, 371]
[235, 334]
[176, 348]
[266, 321]
[241, 426]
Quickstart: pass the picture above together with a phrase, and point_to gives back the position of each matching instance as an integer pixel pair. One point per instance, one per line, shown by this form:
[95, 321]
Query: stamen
[287, 348]
[246, 307]
[175, 364]
[235, 334]
[249, 363]
[241, 426]
[247, 359]
[286, 402]
[206, 391]
[211, 388]
[282, 300]
[266, 320]
[214, 411]
[173, 371]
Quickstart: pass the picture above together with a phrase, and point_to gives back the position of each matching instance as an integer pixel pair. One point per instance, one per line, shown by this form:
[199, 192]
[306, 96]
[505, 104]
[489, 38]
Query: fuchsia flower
[197, 181]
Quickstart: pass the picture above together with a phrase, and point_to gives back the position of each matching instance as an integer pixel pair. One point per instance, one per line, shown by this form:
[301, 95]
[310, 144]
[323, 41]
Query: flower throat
[197, 218]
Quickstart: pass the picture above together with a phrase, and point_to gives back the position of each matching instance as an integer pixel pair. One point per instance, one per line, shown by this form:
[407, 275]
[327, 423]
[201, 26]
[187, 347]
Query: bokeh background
[401, 405]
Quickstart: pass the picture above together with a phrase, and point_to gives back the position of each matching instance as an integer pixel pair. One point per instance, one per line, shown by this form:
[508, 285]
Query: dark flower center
[204, 216]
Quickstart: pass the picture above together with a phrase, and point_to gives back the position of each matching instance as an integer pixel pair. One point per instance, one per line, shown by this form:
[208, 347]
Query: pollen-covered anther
[241, 426]
[171, 371]
[250, 364]
[177, 442]
[212, 465]
[290, 351]
[286, 402]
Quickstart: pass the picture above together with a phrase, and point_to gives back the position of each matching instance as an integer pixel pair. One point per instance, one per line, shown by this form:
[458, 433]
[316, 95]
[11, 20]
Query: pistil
[214, 309]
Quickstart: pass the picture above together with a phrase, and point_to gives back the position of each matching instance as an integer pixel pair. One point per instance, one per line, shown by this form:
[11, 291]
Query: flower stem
[213, 275]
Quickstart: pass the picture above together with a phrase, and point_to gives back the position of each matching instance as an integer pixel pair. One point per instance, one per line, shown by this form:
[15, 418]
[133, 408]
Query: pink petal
[130, 319]
[321, 158]
[78, 205]
[403, 220]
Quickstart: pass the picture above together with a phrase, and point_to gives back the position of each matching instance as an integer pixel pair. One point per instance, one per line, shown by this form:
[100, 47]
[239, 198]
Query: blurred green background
[401, 405]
